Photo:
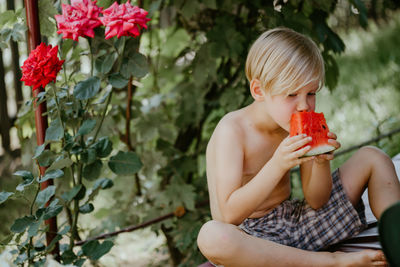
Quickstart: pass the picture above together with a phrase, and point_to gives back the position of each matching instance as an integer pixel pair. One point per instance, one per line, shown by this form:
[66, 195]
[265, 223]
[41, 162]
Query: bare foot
[361, 259]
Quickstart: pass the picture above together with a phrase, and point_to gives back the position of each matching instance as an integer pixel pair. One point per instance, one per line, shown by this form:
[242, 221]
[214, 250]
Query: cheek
[311, 103]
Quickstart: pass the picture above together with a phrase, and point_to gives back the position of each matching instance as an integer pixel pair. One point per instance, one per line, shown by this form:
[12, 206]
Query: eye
[311, 94]
[292, 95]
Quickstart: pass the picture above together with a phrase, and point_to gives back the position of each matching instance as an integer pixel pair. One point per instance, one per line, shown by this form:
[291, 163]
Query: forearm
[245, 200]
[317, 184]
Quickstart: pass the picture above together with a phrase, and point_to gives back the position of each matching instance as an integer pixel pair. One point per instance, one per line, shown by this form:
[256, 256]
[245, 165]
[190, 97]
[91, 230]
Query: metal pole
[34, 39]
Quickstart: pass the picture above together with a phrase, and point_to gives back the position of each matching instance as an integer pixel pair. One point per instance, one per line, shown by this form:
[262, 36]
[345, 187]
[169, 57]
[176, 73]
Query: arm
[226, 155]
[316, 177]
[316, 182]
[237, 201]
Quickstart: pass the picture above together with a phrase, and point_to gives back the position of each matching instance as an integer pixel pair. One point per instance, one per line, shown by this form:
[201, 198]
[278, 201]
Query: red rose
[41, 67]
[124, 20]
[78, 19]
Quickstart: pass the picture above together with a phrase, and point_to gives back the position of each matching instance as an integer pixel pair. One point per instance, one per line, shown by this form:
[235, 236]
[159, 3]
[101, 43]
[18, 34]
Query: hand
[288, 154]
[328, 156]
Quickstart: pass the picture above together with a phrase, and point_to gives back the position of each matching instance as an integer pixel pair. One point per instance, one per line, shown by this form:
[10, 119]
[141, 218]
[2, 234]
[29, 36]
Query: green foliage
[74, 151]
[94, 250]
[125, 163]
[87, 89]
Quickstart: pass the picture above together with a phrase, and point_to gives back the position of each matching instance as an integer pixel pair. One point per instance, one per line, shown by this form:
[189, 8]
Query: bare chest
[258, 151]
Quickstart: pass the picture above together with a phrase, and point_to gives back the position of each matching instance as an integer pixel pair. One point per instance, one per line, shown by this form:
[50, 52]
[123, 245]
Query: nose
[302, 105]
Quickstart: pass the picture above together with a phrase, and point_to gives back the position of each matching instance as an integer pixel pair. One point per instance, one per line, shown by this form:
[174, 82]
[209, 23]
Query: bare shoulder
[229, 129]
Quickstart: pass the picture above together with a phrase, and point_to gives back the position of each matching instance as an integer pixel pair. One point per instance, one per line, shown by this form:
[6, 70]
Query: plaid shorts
[294, 223]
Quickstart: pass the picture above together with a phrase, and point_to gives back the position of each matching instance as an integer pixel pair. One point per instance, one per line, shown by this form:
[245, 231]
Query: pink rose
[78, 19]
[124, 20]
[41, 66]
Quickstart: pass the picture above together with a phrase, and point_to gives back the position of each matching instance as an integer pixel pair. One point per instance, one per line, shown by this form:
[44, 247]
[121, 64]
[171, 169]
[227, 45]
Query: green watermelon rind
[319, 150]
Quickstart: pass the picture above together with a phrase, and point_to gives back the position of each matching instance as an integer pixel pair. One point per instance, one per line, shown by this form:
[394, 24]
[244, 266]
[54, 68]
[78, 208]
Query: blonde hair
[284, 61]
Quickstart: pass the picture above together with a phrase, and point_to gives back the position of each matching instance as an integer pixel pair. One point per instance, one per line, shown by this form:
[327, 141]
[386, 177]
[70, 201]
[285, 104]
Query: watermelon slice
[312, 124]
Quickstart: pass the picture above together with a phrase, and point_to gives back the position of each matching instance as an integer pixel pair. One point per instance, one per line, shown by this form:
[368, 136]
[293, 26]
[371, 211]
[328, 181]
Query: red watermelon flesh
[312, 124]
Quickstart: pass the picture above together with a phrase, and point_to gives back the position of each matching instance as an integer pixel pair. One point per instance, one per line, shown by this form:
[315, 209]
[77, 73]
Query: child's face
[281, 107]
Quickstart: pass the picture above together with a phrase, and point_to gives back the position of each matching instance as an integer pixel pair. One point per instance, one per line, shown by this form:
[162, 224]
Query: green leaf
[89, 156]
[4, 196]
[22, 223]
[68, 196]
[94, 250]
[136, 66]
[87, 89]
[189, 9]
[65, 230]
[68, 257]
[7, 239]
[60, 163]
[47, 12]
[17, 32]
[7, 17]
[105, 63]
[178, 194]
[81, 194]
[86, 127]
[51, 211]
[34, 227]
[125, 163]
[27, 177]
[86, 208]
[53, 174]
[55, 132]
[103, 183]
[46, 158]
[45, 195]
[362, 10]
[103, 147]
[117, 80]
[92, 171]
[39, 150]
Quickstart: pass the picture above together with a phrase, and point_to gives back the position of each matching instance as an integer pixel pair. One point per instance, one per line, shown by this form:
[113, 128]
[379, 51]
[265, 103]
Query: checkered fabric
[294, 223]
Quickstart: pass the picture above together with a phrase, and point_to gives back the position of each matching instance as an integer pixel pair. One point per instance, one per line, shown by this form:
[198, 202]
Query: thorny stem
[28, 251]
[103, 115]
[74, 229]
[91, 56]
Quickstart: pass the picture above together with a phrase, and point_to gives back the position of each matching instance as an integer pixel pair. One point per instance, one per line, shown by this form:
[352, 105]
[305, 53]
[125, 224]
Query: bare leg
[226, 244]
[371, 167]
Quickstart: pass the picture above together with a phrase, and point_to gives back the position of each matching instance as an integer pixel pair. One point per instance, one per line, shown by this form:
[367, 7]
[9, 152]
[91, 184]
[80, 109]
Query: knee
[215, 240]
[374, 155]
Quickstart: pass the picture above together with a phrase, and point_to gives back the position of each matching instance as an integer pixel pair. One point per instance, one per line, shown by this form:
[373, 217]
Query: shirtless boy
[248, 160]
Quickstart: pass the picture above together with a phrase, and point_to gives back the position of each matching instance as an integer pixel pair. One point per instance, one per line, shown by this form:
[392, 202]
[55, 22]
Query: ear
[256, 91]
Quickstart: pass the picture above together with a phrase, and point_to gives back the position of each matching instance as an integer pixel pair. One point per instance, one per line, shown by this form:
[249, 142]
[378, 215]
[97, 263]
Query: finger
[332, 135]
[304, 159]
[292, 139]
[300, 143]
[380, 263]
[335, 143]
[299, 153]
[327, 156]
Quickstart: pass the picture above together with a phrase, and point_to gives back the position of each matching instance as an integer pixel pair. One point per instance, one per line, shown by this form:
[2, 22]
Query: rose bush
[76, 150]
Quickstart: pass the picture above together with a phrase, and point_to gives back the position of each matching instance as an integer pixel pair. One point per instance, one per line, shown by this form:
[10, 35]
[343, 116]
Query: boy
[248, 160]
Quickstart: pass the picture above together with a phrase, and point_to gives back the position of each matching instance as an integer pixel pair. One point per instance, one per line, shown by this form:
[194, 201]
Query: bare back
[249, 150]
